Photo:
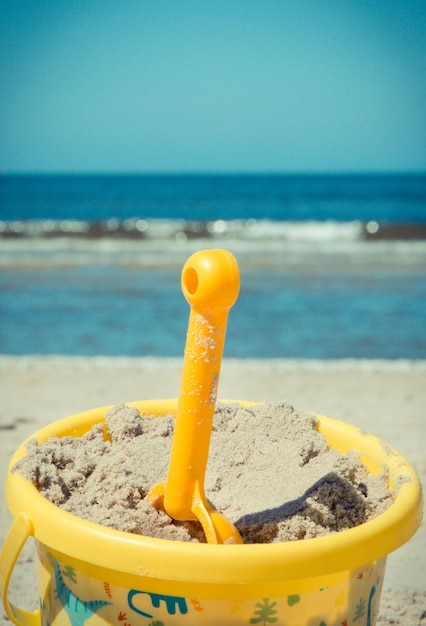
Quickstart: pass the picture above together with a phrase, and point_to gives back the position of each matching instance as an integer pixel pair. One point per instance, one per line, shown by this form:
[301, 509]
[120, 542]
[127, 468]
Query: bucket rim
[248, 563]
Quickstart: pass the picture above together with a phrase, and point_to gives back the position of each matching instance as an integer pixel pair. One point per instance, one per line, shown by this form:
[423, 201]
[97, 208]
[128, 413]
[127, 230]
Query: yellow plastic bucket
[90, 574]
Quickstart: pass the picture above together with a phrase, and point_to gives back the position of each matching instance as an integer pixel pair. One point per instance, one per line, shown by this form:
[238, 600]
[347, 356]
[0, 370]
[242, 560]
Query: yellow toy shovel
[210, 283]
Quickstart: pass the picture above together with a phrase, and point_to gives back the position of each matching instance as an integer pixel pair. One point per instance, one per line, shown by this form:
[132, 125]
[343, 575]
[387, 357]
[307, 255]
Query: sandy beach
[386, 398]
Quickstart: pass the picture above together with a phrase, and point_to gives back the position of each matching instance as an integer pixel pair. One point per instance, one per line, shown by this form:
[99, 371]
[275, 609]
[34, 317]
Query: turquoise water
[331, 267]
[125, 311]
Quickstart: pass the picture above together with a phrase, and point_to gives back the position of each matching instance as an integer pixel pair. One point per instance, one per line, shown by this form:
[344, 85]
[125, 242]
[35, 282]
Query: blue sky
[223, 86]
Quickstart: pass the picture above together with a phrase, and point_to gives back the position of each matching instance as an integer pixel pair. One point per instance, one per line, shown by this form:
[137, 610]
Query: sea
[332, 266]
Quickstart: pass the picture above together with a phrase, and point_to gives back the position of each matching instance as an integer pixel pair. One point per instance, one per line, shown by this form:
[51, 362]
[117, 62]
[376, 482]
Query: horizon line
[206, 173]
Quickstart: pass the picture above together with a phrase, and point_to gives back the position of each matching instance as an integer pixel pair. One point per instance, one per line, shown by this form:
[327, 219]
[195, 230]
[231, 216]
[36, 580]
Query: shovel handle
[210, 283]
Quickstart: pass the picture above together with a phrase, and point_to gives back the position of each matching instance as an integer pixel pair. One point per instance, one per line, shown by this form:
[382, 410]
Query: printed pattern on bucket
[72, 598]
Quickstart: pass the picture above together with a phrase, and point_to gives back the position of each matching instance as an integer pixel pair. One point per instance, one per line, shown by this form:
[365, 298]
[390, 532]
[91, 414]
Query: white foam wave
[255, 243]
[310, 231]
[181, 229]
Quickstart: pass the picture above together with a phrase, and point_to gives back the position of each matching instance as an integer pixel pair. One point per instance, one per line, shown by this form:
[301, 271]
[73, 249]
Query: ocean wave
[181, 230]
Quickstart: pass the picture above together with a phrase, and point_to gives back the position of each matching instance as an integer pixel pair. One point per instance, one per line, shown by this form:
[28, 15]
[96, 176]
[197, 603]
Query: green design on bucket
[265, 613]
[359, 610]
[292, 600]
[78, 611]
[69, 572]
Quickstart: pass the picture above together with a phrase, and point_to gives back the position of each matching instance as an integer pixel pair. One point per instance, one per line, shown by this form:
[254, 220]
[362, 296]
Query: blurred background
[292, 133]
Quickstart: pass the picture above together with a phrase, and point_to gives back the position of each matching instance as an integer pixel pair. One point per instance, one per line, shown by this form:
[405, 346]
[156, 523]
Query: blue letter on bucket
[171, 602]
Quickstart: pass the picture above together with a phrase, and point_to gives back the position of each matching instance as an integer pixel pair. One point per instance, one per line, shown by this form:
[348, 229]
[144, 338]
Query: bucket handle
[18, 534]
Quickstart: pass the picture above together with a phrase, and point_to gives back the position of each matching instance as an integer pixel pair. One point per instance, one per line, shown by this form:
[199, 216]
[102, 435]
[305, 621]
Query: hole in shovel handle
[190, 280]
